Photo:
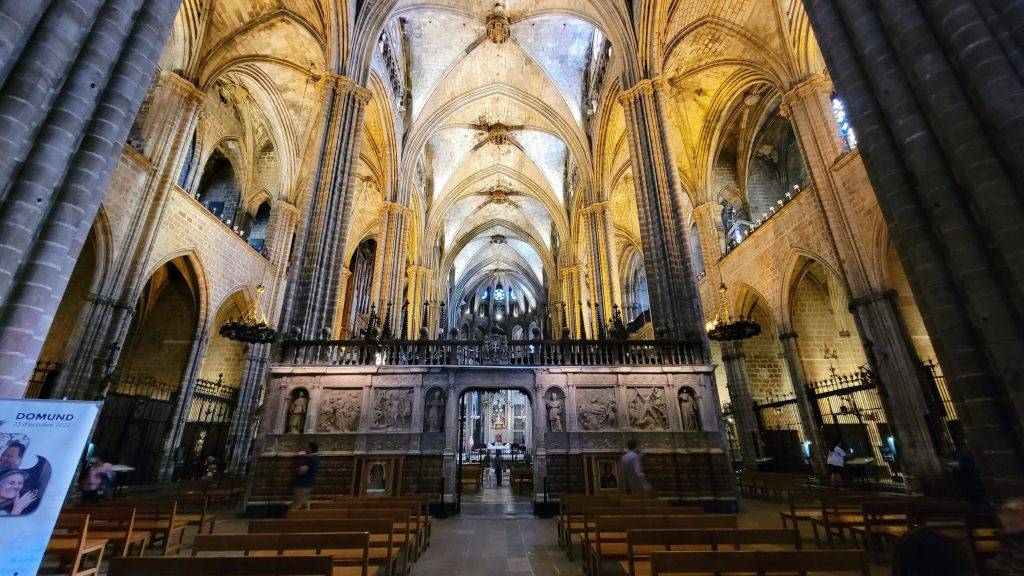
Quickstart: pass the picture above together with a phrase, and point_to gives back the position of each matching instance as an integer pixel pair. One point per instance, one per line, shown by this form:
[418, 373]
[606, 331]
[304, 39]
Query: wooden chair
[231, 566]
[610, 533]
[519, 477]
[118, 527]
[73, 544]
[590, 515]
[158, 517]
[760, 563]
[384, 551]
[195, 510]
[640, 543]
[350, 550]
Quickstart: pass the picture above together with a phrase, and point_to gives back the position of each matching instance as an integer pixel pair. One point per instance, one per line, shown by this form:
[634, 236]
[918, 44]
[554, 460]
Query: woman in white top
[836, 460]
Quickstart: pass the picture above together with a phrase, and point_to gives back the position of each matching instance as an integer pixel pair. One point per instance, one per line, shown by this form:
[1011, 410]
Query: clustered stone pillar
[937, 104]
[74, 75]
[809, 107]
[570, 284]
[708, 217]
[675, 302]
[242, 430]
[419, 282]
[390, 262]
[812, 432]
[330, 208]
[606, 275]
[738, 384]
[173, 116]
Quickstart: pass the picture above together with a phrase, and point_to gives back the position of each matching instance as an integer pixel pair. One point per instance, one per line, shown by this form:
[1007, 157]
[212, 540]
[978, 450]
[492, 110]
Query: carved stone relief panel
[339, 410]
[647, 408]
[596, 409]
[391, 409]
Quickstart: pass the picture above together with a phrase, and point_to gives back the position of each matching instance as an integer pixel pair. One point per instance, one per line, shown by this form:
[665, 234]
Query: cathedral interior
[423, 233]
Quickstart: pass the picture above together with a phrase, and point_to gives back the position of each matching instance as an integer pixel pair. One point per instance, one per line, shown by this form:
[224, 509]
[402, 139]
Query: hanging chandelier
[252, 328]
[723, 328]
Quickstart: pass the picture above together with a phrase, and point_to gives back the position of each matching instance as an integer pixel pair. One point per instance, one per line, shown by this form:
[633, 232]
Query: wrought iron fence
[44, 375]
[496, 352]
[213, 401]
[140, 385]
[948, 432]
[778, 420]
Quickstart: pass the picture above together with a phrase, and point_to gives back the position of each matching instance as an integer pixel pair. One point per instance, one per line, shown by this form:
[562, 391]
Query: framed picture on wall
[379, 476]
[606, 475]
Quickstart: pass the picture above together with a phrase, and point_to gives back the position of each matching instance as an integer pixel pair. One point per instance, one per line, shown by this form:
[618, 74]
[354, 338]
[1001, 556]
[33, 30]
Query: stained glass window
[499, 294]
[845, 129]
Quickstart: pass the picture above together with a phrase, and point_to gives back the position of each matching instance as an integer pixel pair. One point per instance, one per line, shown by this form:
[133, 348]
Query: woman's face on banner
[11, 486]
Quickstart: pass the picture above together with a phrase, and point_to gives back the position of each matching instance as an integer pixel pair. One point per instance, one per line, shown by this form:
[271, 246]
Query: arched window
[258, 228]
[219, 190]
[846, 132]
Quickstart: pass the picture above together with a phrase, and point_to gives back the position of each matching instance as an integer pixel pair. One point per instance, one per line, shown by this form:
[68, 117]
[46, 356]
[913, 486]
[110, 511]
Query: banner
[41, 445]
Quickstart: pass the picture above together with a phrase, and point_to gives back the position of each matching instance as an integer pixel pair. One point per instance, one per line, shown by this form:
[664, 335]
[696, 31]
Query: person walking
[631, 470]
[305, 477]
[499, 464]
[836, 461]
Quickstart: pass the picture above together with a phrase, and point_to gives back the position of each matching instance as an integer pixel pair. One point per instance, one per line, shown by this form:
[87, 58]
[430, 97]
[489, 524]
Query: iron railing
[140, 385]
[493, 353]
[213, 401]
[43, 377]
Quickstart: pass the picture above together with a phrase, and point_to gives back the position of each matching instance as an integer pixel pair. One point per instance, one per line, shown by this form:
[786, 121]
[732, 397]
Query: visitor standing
[305, 477]
[98, 481]
[836, 461]
[631, 470]
[499, 464]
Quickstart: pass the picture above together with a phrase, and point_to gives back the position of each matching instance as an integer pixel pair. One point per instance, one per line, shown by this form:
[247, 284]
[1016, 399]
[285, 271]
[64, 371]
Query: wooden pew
[350, 550]
[118, 527]
[842, 515]
[591, 513]
[519, 477]
[610, 533]
[73, 544]
[798, 561]
[404, 535]
[640, 543]
[419, 521]
[767, 485]
[423, 500]
[571, 513]
[384, 551]
[472, 475]
[195, 510]
[231, 566]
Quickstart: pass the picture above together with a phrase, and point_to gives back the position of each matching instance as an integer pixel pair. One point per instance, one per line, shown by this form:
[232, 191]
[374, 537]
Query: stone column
[571, 298]
[340, 324]
[936, 113]
[283, 220]
[315, 309]
[742, 403]
[812, 432]
[173, 115]
[186, 391]
[248, 407]
[606, 274]
[390, 262]
[55, 189]
[708, 217]
[675, 301]
[809, 106]
[417, 293]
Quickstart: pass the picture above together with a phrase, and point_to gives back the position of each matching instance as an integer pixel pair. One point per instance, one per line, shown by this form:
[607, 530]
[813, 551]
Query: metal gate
[778, 419]
[206, 429]
[134, 424]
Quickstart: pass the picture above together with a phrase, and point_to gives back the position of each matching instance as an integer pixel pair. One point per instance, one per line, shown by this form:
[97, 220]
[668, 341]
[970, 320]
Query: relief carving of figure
[555, 402]
[689, 410]
[392, 408]
[596, 408]
[339, 412]
[647, 409]
[296, 415]
[434, 414]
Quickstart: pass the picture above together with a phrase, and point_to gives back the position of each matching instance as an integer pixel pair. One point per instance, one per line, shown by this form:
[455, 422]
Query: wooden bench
[350, 550]
[384, 551]
[609, 540]
[769, 484]
[402, 519]
[519, 477]
[224, 566]
[640, 543]
[158, 517]
[423, 500]
[591, 513]
[843, 515]
[419, 519]
[472, 475]
[72, 543]
[117, 526]
[761, 563]
[573, 512]
[195, 510]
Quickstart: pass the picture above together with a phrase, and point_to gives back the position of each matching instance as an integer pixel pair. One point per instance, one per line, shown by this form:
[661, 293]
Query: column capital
[189, 89]
[883, 296]
[712, 207]
[816, 84]
[791, 335]
[395, 208]
[286, 207]
[595, 207]
[645, 87]
[344, 85]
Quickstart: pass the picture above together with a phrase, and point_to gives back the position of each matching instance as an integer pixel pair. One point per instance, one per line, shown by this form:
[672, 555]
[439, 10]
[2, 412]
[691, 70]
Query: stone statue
[555, 408]
[435, 411]
[596, 408]
[297, 412]
[339, 411]
[689, 411]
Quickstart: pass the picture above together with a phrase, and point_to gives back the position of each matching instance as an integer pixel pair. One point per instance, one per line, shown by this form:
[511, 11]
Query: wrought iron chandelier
[724, 328]
[252, 328]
